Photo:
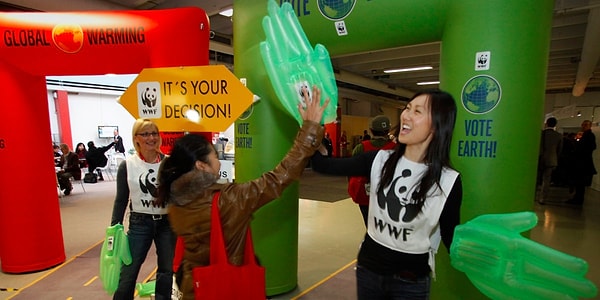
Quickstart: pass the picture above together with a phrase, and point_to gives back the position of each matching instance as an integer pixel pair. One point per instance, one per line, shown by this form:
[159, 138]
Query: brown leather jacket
[192, 193]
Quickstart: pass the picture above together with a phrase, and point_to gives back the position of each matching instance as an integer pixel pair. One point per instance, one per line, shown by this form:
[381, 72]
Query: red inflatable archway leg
[30, 227]
[64, 43]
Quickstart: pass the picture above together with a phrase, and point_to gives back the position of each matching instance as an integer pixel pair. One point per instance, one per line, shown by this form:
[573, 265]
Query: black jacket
[95, 157]
[119, 144]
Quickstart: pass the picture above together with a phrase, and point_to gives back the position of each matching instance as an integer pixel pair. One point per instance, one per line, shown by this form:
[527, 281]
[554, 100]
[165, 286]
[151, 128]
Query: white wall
[565, 108]
[88, 111]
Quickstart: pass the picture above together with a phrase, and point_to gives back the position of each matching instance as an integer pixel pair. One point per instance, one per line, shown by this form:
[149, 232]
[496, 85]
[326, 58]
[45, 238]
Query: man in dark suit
[584, 162]
[550, 148]
[119, 142]
[69, 163]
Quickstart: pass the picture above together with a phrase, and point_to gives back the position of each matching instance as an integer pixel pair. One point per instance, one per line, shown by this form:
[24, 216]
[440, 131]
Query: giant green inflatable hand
[502, 264]
[292, 65]
[114, 253]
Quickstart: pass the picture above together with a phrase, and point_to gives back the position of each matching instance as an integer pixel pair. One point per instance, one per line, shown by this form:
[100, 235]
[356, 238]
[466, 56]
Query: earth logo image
[335, 9]
[68, 37]
[481, 94]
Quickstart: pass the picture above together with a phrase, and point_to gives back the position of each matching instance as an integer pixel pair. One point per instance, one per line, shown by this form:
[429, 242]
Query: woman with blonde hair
[148, 222]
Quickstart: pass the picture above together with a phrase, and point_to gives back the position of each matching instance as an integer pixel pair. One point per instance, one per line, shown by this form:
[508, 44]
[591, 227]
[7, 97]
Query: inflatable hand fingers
[502, 264]
[513, 223]
[292, 65]
[123, 251]
[489, 234]
[146, 289]
[282, 26]
[114, 252]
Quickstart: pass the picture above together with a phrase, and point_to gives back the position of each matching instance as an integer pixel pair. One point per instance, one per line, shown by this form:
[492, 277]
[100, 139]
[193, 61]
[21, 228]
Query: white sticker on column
[340, 27]
[482, 60]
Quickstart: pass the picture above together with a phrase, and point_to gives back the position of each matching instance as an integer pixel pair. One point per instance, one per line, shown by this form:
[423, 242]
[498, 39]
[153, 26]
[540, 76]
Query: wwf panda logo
[149, 96]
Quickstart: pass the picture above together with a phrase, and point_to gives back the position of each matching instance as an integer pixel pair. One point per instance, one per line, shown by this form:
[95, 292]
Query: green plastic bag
[114, 253]
[503, 264]
[293, 66]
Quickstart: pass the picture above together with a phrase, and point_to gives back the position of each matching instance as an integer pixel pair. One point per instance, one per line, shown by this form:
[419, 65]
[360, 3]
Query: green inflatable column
[493, 61]
[263, 135]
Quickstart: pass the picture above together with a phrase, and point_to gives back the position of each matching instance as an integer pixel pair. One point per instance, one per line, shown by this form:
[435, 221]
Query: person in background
[148, 221]
[119, 148]
[96, 158]
[69, 168]
[358, 186]
[57, 155]
[81, 151]
[551, 145]
[413, 189]
[566, 162]
[328, 144]
[343, 144]
[584, 162]
[366, 136]
[188, 181]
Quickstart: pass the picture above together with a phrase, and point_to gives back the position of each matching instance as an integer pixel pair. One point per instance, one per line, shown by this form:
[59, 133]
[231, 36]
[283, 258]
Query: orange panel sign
[199, 98]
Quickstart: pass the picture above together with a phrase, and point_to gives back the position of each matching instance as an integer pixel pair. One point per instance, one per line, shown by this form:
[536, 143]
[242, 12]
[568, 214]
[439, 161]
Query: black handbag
[90, 178]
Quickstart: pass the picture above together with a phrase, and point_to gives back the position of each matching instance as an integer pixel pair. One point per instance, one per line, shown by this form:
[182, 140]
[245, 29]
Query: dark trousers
[92, 169]
[372, 286]
[143, 230]
[579, 194]
[63, 180]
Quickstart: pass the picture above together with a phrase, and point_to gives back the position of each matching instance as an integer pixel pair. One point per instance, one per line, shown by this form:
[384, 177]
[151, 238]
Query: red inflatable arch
[35, 45]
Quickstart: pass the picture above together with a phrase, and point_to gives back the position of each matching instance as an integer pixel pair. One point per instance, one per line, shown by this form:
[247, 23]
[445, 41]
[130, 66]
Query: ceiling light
[428, 82]
[227, 12]
[192, 115]
[408, 69]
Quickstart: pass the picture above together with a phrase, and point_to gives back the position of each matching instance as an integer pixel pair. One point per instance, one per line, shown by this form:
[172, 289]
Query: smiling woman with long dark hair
[414, 200]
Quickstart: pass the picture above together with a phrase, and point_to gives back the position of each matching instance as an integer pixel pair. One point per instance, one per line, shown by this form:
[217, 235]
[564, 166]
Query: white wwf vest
[394, 220]
[143, 186]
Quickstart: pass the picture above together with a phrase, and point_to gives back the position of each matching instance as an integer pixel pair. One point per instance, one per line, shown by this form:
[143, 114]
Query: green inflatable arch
[493, 61]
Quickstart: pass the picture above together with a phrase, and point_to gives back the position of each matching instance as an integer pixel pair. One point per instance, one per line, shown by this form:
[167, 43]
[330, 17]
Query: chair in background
[107, 170]
[80, 180]
[116, 160]
[73, 183]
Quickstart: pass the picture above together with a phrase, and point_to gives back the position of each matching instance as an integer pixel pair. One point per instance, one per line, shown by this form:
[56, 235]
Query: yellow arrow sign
[199, 98]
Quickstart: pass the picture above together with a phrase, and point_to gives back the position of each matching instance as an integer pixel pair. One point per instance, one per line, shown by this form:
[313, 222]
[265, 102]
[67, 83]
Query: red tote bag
[221, 279]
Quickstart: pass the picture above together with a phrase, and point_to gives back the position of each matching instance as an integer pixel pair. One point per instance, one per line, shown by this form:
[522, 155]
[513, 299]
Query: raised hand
[311, 109]
[292, 65]
[502, 264]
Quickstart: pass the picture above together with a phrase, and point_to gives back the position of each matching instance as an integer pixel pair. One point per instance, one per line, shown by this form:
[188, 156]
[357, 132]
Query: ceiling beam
[589, 54]
[354, 79]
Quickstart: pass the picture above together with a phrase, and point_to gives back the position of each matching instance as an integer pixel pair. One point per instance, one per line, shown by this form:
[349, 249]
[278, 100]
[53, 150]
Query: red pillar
[64, 117]
[30, 227]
